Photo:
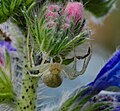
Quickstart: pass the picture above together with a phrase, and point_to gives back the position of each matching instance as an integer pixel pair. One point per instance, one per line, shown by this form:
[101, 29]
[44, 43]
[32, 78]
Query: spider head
[55, 68]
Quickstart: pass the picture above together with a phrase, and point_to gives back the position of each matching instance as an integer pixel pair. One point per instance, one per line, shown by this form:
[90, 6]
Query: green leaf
[68, 61]
[76, 100]
[96, 106]
[37, 29]
[29, 2]
[4, 8]
[6, 89]
[8, 63]
[18, 3]
[12, 5]
[72, 42]
[8, 8]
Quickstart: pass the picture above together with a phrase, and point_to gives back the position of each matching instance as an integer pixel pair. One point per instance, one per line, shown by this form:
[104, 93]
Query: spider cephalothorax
[55, 68]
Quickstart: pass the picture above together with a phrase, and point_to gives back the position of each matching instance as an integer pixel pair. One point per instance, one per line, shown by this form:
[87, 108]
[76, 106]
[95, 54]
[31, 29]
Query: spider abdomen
[52, 80]
[52, 77]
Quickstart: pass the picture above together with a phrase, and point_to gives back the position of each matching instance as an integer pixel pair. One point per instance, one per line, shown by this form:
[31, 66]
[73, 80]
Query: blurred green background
[107, 33]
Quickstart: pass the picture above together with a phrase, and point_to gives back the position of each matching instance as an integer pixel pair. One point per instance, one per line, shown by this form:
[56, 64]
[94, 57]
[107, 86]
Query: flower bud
[4, 45]
[52, 12]
[74, 11]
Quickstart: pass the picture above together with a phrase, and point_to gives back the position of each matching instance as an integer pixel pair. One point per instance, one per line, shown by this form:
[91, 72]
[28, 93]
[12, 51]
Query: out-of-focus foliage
[107, 34]
[98, 7]
[9, 7]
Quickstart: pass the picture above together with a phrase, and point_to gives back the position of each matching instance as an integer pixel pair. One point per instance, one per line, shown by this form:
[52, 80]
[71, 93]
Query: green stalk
[26, 101]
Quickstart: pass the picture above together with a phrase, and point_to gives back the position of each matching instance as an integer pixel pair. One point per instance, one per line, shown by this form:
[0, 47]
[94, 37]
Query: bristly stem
[26, 100]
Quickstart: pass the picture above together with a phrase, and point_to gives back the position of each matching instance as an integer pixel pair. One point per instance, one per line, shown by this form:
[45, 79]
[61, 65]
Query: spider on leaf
[52, 73]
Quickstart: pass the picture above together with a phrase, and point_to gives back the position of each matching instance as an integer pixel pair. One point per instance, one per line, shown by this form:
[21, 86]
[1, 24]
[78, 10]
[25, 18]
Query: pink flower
[74, 11]
[66, 26]
[51, 24]
[53, 8]
[52, 12]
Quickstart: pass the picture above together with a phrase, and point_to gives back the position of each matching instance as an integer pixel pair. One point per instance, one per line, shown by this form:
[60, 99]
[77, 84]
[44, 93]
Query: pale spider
[51, 73]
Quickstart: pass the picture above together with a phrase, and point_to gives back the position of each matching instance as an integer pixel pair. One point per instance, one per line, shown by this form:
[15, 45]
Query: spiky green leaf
[6, 89]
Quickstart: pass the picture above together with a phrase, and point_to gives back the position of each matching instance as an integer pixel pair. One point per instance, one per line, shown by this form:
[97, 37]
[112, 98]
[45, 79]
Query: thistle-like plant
[42, 45]
[53, 41]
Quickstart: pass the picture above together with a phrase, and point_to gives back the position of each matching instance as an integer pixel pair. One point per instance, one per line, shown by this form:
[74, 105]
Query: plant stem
[26, 100]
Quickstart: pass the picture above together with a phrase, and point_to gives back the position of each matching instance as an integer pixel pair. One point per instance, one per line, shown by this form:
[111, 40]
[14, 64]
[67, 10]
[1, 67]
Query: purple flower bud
[4, 45]
[7, 45]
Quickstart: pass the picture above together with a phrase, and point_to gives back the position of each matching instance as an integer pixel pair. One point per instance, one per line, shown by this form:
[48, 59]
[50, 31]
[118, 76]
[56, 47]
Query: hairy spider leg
[72, 73]
[40, 70]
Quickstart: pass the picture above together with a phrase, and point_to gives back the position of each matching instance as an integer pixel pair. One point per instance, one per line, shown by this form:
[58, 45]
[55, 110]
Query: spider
[53, 69]
[52, 73]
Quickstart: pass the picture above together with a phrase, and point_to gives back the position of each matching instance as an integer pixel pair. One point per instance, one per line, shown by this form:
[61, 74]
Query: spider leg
[85, 64]
[37, 75]
[75, 60]
[65, 74]
[72, 73]
[61, 60]
[68, 72]
[31, 57]
[86, 58]
[38, 71]
[86, 55]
